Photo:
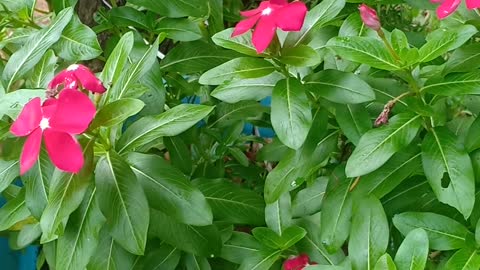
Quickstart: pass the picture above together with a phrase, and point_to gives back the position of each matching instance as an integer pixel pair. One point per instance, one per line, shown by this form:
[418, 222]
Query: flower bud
[369, 17]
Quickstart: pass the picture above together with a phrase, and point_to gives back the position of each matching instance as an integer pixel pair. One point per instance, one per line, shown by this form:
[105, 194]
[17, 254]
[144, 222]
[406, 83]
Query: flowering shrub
[210, 134]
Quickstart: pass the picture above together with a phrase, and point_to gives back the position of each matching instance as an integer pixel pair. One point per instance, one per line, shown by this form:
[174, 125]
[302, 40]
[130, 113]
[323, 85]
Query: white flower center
[72, 67]
[267, 11]
[44, 124]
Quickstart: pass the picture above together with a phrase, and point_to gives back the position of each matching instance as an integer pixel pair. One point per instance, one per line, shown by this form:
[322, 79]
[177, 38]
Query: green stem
[381, 34]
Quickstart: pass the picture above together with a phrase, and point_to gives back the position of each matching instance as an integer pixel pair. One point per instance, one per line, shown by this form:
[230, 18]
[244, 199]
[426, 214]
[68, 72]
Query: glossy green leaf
[232, 203]
[413, 252]
[365, 50]
[181, 29]
[116, 112]
[239, 68]
[464, 59]
[353, 120]
[465, 259]
[193, 262]
[278, 215]
[309, 200]
[340, 87]
[37, 183]
[9, 170]
[13, 211]
[291, 113]
[169, 190]
[443, 232]
[385, 263]
[240, 246]
[164, 257]
[269, 238]
[242, 43]
[472, 141]
[175, 8]
[117, 60]
[369, 233]
[449, 170]
[202, 241]
[317, 17]
[43, 72]
[170, 123]
[125, 16]
[78, 244]
[300, 56]
[179, 154]
[378, 145]
[455, 84]
[78, 42]
[122, 202]
[12, 103]
[32, 52]
[262, 260]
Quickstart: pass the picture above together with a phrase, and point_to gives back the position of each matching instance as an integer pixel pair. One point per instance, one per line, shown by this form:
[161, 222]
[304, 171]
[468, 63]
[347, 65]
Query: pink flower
[369, 17]
[447, 7]
[297, 263]
[57, 120]
[75, 74]
[269, 16]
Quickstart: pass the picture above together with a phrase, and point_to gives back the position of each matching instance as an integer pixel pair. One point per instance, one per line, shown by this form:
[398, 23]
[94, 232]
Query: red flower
[447, 7]
[58, 120]
[75, 74]
[297, 263]
[369, 17]
[269, 16]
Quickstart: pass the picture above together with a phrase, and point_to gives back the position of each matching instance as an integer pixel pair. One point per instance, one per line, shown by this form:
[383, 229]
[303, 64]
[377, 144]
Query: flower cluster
[297, 263]
[447, 7]
[58, 120]
[269, 16]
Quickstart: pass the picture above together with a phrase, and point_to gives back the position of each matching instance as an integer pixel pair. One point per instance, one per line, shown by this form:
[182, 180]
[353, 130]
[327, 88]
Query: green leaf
[29, 234]
[193, 262]
[43, 72]
[472, 141]
[78, 244]
[385, 263]
[449, 170]
[129, 77]
[37, 183]
[300, 56]
[12, 103]
[110, 256]
[9, 170]
[413, 252]
[465, 259]
[365, 50]
[164, 257]
[65, 195]
[247, 89]
[179, 154]
[317, 17]
[309, 200]
[242, 43]
[182, 29]
[125, 16]
[386, 178]
[202, 241]
[336, 214]
[378, 145]
[175, 8]
[278, 215]
[170, 123]
[116, 112]
[239, 68]
[369, 233]
[262, 260]
[78, 42]
[464, 59]
[169, 190]
[231, 203]
[289, 237]
[196, 56]
[240, 246]
[454, 84]
[443, 232]
[13, 211]
[32, 52]
[232, 113]
[291, 113]
[340, 87]
[117, 60]
[122, 202]
[354, 121]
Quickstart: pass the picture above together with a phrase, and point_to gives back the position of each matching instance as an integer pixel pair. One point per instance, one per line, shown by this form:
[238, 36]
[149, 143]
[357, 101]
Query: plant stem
[381, 34]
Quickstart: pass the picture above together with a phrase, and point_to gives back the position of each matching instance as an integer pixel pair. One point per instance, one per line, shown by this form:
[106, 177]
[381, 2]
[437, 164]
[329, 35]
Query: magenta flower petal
[74, 112]
[447, 8]
[295, 12]
[369, 17]
[279, 2]
[28, 119]
[296, 263]
[264, 33]
[245, 25]
[436, 1]
[88, 80]
[49, 107]
[64, 150]
[59, 79]
[472, 4]
[30, 151]
[249, 13]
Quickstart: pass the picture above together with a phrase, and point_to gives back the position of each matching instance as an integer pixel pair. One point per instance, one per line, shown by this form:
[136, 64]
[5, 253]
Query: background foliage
[181, 173]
